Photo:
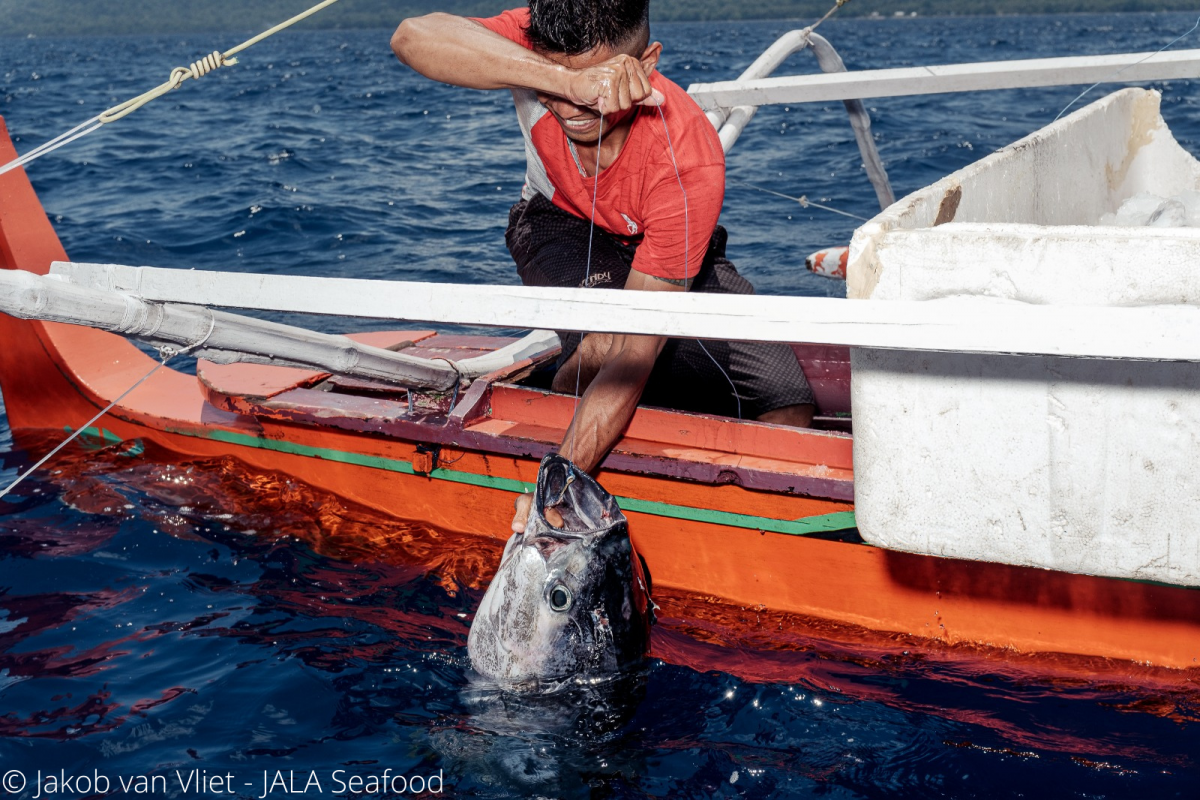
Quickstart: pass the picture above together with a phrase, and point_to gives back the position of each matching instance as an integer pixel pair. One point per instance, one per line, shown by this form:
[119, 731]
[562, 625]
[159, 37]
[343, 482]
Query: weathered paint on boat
[704, 539]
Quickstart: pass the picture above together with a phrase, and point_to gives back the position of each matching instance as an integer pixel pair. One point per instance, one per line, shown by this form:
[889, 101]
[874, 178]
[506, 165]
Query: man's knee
[798, 416]
[583, 364]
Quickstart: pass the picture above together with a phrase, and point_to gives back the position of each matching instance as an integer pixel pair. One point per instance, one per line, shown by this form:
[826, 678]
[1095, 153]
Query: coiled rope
[197, 70]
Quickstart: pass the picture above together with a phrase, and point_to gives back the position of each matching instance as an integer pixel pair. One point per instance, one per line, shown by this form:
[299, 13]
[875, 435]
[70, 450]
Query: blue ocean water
[160, 616]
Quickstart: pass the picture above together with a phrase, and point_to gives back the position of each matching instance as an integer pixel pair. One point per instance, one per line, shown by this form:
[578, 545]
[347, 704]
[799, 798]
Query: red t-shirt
[639, 199]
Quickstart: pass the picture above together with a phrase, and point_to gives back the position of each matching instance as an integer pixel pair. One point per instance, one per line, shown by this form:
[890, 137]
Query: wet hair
[572, 27]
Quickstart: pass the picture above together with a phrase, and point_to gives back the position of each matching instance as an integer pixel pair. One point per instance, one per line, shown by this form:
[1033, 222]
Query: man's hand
[523, 505]
[462, 52]
[614, 85]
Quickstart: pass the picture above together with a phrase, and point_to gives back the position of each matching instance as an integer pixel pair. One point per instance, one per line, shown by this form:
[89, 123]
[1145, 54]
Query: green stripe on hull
[825, 523]
[840, 521]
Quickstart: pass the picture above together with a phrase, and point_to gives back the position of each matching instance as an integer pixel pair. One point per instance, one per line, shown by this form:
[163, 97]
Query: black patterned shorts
[550, 247]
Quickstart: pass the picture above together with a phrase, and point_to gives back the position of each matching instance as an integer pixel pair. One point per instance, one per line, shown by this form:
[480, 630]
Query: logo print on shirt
[593, 281]
[633, 228]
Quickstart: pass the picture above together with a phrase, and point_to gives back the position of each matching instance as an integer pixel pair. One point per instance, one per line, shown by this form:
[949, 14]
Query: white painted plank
[864, 84]
[976, 325]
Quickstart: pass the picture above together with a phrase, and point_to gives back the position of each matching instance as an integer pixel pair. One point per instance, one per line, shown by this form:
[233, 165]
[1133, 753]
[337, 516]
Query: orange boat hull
[54, 376]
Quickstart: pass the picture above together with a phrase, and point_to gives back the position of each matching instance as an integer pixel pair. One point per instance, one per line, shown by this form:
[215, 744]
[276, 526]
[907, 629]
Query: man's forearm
[610, 401]
[461, 52]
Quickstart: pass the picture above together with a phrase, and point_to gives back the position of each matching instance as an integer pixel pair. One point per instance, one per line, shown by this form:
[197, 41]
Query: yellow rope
[828, 14]
[200, 68]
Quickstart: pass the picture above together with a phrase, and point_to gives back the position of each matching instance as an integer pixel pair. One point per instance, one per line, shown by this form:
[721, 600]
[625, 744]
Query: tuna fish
[567, 603]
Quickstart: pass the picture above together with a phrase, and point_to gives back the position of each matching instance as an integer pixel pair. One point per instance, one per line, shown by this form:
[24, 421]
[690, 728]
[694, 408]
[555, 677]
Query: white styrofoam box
[1087, 466]
[1070, 173]
[1068, 464]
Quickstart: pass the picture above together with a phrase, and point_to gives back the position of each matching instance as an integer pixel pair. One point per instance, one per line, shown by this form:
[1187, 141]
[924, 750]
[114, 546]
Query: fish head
[566, 602]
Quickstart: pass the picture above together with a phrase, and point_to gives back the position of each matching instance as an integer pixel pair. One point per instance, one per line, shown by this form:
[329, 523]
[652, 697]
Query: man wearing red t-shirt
[623, 188]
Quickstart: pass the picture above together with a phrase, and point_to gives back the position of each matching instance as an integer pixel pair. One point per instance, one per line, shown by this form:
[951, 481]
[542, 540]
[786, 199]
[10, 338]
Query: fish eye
[561, 598]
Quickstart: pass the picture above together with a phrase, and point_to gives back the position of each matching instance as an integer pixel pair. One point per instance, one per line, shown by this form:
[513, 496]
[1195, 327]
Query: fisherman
[610, 141]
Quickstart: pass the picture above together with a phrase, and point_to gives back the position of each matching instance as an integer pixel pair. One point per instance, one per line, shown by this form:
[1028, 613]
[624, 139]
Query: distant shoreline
[52, 18]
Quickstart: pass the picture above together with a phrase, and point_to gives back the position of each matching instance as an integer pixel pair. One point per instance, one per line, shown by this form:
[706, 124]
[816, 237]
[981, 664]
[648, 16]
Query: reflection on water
[556, 744]
[159, 613]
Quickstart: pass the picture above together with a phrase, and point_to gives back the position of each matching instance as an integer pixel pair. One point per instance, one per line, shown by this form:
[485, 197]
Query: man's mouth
[580, 125]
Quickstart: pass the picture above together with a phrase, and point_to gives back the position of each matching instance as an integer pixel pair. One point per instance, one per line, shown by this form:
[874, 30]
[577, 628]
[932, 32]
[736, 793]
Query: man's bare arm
[461, 52]
[609, 403]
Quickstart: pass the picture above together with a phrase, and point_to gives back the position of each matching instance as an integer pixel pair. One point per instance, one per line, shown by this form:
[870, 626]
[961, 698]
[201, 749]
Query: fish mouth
[585, 507]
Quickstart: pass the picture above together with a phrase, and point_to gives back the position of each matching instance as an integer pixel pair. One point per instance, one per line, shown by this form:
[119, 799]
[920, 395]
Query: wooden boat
[751, 514]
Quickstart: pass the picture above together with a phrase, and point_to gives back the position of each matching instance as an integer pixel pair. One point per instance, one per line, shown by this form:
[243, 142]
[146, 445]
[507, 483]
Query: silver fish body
[566, 603]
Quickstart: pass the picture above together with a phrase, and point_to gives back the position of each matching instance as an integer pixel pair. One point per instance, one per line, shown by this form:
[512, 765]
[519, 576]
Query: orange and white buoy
[829, 263]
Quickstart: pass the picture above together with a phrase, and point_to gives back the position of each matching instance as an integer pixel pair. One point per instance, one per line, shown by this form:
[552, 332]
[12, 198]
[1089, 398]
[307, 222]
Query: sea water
[173, 627]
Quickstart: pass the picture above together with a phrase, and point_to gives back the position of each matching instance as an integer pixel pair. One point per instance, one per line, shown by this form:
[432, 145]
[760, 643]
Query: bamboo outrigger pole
[226, 338]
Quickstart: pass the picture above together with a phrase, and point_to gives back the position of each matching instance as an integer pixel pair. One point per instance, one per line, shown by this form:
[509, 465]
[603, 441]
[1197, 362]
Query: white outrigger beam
[987, 75]
[969, 324]
[227, 338]
[730, 105]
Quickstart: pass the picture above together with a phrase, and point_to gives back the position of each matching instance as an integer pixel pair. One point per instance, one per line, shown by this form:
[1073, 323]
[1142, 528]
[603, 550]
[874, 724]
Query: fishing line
[687, 251]
[802, 200]
[1128, 66]
[166, 353]
[587, 275]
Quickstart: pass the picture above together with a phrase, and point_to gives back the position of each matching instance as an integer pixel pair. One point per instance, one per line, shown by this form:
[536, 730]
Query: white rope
[166, 353]
[802, 200]
[197, 69]
[828, 14]
[52, 145]
[83, 428]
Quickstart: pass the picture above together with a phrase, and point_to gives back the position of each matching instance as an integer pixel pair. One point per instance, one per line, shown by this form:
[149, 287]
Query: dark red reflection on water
[858, 664]
[363, 581]
[30, 538]
[31, 615]
[95, 714]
